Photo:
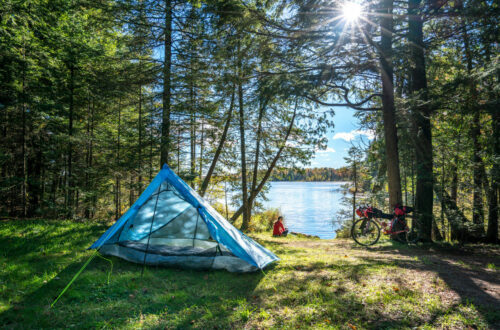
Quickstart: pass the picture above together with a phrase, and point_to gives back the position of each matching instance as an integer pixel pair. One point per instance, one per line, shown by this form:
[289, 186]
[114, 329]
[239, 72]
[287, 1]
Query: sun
[351, 11]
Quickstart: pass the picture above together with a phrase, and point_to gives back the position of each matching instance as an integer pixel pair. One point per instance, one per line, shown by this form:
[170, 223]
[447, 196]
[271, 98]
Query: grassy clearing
[318, 283]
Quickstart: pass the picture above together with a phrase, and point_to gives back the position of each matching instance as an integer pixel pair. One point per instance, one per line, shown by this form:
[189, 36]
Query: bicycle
[366, 231]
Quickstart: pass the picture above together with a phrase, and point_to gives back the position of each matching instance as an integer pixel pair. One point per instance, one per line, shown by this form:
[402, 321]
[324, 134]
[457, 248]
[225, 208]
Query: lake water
[308, 207]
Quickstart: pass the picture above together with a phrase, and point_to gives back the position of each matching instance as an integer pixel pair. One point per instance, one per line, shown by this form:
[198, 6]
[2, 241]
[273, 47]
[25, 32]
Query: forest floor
[317, 283]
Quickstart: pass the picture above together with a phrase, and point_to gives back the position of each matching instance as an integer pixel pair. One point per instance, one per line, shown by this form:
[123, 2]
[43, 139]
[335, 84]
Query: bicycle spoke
[365, 232]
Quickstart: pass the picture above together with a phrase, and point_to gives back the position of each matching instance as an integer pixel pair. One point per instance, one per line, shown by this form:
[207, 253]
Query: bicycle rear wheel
[413, 234]
[365, 232]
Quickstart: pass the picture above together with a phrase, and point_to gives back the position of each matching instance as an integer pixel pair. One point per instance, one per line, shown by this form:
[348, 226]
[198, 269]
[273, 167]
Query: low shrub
[264, 221]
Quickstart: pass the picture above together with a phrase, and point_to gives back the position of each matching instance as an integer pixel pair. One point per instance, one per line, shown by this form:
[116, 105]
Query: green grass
[318, 283]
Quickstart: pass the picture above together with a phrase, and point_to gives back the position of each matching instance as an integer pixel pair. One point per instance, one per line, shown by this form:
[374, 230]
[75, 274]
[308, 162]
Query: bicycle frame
[384, 225]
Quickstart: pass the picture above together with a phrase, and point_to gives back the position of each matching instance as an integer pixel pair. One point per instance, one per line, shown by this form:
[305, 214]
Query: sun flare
[351, 11]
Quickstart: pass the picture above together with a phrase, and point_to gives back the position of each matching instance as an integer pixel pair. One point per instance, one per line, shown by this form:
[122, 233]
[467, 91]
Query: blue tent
[171, 225]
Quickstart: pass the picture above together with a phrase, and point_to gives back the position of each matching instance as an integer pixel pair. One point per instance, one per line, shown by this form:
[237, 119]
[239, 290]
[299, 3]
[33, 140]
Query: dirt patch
[457, 275]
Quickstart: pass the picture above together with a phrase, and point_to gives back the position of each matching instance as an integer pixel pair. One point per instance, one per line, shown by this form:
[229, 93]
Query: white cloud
[370, 135]
[327, 150]
[349, 136]
[344, 136]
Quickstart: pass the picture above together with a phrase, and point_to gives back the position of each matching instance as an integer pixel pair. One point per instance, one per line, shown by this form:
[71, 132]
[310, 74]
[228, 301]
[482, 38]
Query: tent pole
[150, 230]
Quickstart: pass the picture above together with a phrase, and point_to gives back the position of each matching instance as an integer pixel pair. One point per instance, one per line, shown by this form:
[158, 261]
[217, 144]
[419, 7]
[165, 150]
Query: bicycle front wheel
[365, 232]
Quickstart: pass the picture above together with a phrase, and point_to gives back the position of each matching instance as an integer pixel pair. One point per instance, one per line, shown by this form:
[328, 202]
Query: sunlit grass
[317, 283]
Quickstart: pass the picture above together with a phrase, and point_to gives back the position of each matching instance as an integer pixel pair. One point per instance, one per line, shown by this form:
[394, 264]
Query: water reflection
[308, 207]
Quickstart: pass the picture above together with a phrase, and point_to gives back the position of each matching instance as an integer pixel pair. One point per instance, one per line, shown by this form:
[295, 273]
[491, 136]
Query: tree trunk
[421, 115]
[131, 196]
[244, 189]
[93, 200]
[211, 169]
[88, 185]
[269, 171]
[192, 130]
[69, 188]
[24, 197]
[355, 177]
[492, 232]
[202, 140]
[167, 65]
[477, 208]
[257, 152]
[454, 176]
[139, 144]
[151, 141]
[456, 218]
[118, 167]
[436, 234]
[179, 132]
[389, 111]
[475, 132]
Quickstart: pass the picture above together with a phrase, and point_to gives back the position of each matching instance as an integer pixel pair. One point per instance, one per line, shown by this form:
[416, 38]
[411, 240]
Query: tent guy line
[162, 228]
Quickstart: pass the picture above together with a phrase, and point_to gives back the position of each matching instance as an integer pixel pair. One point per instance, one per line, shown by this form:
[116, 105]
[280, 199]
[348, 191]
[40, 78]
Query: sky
[340, 138]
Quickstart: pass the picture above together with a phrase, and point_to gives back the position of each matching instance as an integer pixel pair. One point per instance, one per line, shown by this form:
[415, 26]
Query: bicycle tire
[358, 231]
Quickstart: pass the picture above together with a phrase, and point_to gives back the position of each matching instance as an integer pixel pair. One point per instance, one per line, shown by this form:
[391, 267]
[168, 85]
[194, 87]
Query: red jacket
[278, 228]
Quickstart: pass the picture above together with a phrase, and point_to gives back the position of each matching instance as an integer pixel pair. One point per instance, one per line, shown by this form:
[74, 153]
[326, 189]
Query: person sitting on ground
[279, 229]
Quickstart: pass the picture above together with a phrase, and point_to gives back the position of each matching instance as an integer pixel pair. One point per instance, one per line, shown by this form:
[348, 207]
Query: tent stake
[74, 277]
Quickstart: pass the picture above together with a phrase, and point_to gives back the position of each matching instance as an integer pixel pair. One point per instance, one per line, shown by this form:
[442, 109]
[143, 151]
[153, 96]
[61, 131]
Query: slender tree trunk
[436, 234]
[88, 187]
[24, 197]
[412, 180]
[475, 132]
[93, 200]
[139, 144]
[405, 181]
[118, 167]
[192, 130]
[443, 179]
[35, 176]
[355, 177]
[492, 231]
[151, 140]
[70, 183]
[454, 228]
[225, 199]
[167, 65]
[244, 188]
[258, 139]
[477, 208]
[421, 117]
[270, 169]
[456, 217]
[211, 169]
[131, 196]
[389, 111]
[454, 176]
[179, 132]
[202, 142]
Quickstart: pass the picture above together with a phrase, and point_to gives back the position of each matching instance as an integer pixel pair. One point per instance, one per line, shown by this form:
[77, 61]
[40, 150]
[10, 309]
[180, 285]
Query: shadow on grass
[162, 297]
[41, 257]
[463, 271]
